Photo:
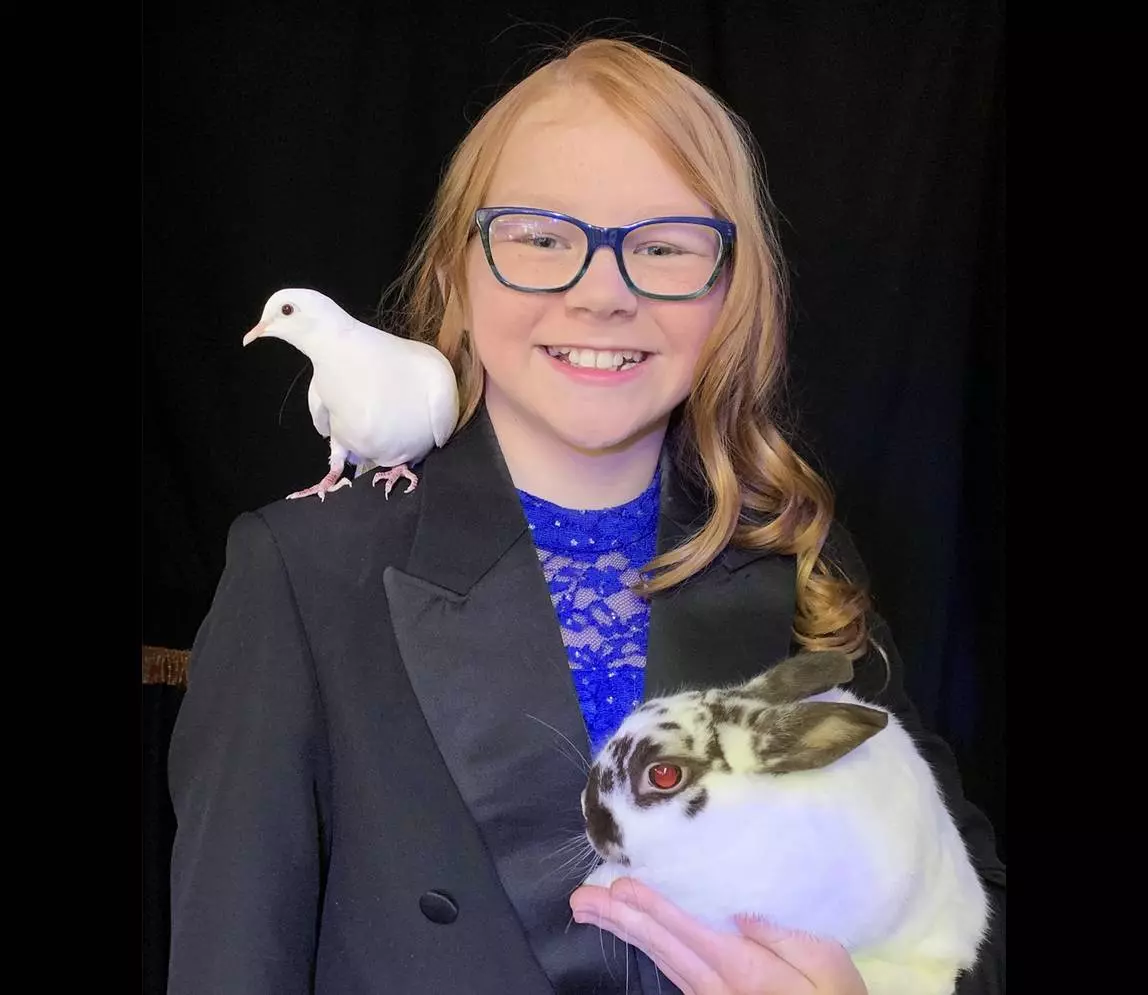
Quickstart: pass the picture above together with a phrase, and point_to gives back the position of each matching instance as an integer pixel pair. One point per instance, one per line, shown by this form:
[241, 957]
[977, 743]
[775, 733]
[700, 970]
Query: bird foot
[325, 486]
[392, 475]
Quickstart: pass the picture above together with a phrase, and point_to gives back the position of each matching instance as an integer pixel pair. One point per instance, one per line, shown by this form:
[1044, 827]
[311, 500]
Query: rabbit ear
[800, 676]
[814, 734]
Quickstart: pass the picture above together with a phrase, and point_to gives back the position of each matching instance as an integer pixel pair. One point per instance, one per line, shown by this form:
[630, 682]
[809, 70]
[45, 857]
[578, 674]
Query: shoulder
[348, 526]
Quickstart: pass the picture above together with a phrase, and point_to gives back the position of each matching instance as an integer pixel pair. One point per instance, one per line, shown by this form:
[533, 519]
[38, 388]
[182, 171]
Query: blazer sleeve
[885, 686]
[246, 770]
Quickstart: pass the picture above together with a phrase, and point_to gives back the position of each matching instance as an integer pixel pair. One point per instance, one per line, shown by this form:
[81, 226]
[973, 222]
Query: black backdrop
[299, 143]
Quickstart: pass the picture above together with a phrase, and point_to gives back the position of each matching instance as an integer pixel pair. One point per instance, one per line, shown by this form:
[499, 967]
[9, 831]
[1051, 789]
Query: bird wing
[320, 416]
[442, 401]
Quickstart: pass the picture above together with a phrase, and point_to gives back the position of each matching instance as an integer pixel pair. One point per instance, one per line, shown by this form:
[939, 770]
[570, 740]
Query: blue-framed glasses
[544, 252]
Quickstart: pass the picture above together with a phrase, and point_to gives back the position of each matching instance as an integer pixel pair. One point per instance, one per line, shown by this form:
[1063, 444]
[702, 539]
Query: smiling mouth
[597, 359]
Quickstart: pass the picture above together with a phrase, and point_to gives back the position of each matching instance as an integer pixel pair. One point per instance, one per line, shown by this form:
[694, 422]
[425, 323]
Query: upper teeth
[596, 359]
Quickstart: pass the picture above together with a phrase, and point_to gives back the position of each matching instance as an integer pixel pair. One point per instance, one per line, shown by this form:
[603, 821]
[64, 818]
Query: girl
[367, 770]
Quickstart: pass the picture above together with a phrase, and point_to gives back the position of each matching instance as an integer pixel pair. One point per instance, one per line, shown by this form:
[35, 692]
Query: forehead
[570, 152]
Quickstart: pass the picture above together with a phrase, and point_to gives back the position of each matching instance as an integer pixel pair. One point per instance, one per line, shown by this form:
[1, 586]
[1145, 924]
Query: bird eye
[287, 309]
[665, 776]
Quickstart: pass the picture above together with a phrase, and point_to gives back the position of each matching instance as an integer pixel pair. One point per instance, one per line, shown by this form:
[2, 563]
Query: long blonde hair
[762, 494]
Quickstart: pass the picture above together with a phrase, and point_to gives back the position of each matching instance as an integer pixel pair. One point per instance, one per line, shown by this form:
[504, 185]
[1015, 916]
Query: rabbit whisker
[577, 857]
[572, 860]
[575, 841]
[576, 845]
[578, 871]
[585, 768]
[605, 959]
[575, 860]
[626, 953]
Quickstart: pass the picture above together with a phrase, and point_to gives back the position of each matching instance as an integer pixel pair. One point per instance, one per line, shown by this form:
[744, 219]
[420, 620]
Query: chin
[605, 874]
[601, 426]
[605, 438]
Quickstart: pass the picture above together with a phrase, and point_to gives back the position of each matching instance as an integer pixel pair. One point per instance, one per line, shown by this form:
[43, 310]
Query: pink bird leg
[392, 475]
[324, 486]
[328, 483]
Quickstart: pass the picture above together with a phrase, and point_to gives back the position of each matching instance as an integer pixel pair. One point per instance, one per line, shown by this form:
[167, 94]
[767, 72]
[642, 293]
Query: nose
[602, 289]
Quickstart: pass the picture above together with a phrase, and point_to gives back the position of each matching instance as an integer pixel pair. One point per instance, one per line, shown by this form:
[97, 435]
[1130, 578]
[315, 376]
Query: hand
[762, 959]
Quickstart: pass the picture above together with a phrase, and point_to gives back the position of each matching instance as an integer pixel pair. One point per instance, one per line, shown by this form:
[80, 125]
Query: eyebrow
[560, 206]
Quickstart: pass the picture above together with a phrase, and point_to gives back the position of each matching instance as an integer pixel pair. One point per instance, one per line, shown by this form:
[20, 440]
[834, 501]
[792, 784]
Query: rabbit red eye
[665, 776]
[288, 309]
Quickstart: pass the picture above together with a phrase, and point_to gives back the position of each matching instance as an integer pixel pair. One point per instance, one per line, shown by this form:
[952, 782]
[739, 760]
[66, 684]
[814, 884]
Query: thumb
[777, 937]
[814, 956]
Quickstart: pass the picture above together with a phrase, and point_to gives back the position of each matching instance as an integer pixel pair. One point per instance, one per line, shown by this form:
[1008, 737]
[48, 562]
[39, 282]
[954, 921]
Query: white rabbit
[789, 798]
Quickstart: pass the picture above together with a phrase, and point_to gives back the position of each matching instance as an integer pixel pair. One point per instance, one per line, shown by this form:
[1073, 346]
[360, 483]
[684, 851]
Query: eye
[287, 309]
[664, 776]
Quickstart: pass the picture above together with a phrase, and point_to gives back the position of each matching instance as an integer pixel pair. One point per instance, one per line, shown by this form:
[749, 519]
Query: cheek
[499, 319]
[661, 830]
[602, 827]
[687, 326]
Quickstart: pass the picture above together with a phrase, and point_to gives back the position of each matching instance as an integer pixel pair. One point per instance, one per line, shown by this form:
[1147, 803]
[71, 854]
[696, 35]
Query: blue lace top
[590, 559]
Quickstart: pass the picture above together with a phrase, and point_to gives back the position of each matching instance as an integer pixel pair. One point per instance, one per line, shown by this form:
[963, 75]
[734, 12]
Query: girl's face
[570, 153]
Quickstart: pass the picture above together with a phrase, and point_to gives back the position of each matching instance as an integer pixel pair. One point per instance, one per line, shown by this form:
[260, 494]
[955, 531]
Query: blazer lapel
[728, 623]
[478, 635]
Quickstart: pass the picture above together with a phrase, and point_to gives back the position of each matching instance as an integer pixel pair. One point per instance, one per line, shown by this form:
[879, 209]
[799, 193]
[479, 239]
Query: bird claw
[322, 489]
[392, 475]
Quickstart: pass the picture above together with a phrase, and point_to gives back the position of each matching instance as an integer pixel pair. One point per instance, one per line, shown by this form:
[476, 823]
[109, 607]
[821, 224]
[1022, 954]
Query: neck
[567, 475]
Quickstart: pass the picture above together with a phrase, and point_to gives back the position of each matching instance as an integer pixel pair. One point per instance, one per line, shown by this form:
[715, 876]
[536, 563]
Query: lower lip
[588, 375]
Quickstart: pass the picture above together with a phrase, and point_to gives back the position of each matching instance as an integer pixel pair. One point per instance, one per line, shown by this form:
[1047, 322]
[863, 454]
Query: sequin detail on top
[590, 560]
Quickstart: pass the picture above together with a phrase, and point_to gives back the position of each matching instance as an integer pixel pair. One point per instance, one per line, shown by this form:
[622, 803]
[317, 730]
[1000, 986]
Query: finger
[790, 962]
[665, 970]
[675, 959]
[812, 956]
[735, 959]
[725, 953]
[585, 894]
[678, 981]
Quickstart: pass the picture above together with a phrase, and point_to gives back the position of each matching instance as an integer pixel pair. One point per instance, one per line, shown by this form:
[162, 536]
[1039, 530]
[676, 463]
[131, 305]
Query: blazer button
[439, 907]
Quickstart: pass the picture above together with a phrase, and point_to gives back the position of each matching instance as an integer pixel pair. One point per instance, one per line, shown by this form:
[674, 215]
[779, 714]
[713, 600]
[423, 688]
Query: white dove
[378, 397]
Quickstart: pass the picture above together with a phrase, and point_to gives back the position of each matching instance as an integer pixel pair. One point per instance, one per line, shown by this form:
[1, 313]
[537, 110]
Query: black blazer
[377, 710]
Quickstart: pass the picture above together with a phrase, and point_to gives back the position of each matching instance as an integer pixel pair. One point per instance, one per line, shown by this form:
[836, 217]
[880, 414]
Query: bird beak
[252, 335]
